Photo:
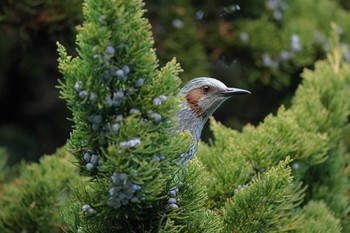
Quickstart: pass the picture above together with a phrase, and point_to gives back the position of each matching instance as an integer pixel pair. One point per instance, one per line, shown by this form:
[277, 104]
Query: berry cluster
[285, 55]
[87, 209]
[276, 7]
[123, 191]
[92, 160]
[173, 202]
[104, 122]
[159, 100]
[131, 143]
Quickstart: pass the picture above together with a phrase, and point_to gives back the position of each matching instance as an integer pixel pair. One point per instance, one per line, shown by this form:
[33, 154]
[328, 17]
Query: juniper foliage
[285, 175]
[311, 132]
[123, 108]
[318, 218]
[33, 201]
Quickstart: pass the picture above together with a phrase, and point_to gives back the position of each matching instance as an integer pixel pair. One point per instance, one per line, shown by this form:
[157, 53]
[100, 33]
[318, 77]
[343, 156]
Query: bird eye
[206, 88]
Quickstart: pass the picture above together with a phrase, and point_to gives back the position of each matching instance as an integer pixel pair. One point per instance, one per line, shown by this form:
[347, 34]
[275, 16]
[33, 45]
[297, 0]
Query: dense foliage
[119, 170]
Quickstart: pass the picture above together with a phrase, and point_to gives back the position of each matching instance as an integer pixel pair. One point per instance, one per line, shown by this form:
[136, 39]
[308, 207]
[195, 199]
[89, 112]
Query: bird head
[204, 95]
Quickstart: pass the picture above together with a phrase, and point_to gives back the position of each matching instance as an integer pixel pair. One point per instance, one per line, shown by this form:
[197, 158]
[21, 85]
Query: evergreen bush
[311, 132]
[288, 174]
[123, 109]
[33, 201]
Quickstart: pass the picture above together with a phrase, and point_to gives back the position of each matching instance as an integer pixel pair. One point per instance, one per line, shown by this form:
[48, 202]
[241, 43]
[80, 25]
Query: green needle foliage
[124, 138]
[311, 133]
[318, 218]
[266, 202]
[33, 201]
[288, 174]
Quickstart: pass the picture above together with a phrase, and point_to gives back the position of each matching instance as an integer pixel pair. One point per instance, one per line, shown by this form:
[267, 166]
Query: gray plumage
[202, 96]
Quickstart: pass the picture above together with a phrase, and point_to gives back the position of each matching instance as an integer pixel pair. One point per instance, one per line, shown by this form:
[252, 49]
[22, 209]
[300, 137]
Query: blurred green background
[261, 46]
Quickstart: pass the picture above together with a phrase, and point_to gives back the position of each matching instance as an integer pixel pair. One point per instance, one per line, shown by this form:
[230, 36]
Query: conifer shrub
[288, 174]
[33, 201]
[271, 39]
[124, 138]
[318, 218]
[311, 133]
[3, 168]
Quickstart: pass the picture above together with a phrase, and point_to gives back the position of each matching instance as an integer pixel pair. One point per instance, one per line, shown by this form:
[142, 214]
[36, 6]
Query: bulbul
[201, 97]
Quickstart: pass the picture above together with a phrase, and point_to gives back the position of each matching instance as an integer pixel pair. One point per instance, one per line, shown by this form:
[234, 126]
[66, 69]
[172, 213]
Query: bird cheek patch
[193, 97]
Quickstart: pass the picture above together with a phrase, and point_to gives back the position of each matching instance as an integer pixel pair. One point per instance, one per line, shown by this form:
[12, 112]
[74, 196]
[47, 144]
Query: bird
[200, 98]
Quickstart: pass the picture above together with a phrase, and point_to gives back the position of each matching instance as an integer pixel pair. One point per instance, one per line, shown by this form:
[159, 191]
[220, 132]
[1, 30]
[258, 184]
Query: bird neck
[189, 120]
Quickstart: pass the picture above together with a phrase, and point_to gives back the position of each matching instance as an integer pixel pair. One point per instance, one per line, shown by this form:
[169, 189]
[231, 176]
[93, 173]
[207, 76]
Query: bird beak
[234, 91]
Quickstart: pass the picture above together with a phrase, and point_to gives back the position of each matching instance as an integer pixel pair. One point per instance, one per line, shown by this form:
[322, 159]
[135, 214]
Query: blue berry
[93, 97]
[172, 193]
[156, 158]
[174, 206]
[83, 94]
[120, 73]
[156, 117]
[112, 191]
[244, 36]
[295, 43]
[95, 127]
[139, 82]
[115, 127]
[89, 166]
[97, 119]
[162, 98]
[178, 23]
[119, 118]
[85, 207]
[94, 159]
[136, 187]
[199, 15]
[110, 50]
[78, 85]
[284, 55]
[266, 59]
[126, 69]
[109, 101]
[119, 95]
[121, 196]
[134, 111]
[277, 15]
[123, 144]
[171, 200]
[295, 166]
[102, 19]
[134, 142]
[87, 157]
[157, 101]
